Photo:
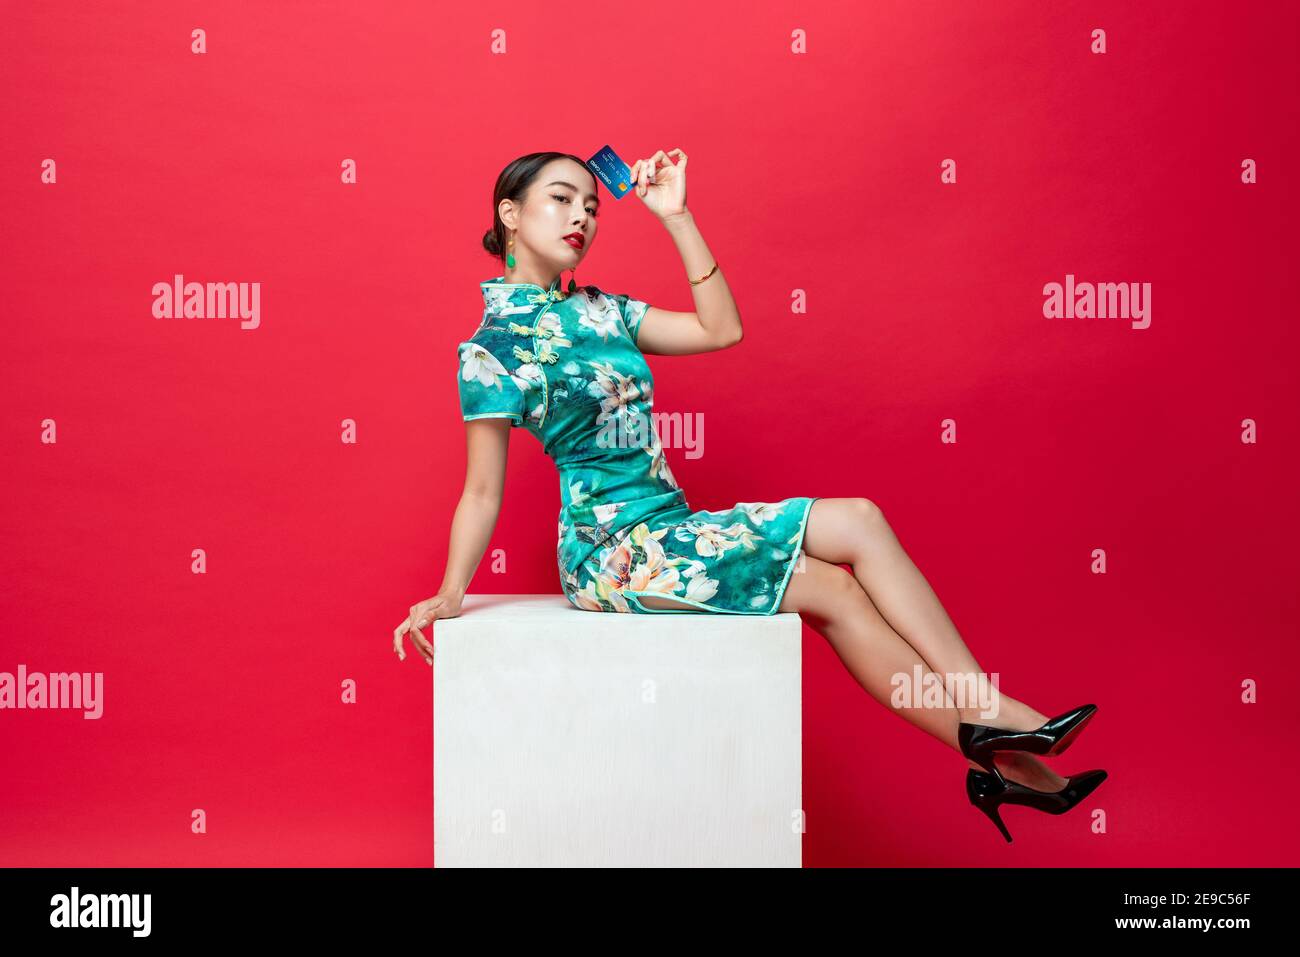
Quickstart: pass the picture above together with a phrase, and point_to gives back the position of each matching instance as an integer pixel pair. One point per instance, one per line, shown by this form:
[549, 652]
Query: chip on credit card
[612, 171]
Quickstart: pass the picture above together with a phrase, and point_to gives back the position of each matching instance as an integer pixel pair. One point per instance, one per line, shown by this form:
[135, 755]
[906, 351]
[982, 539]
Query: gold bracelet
[696, 282]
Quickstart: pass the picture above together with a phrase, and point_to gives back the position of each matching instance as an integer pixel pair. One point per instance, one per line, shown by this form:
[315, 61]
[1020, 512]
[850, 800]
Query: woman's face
[557, 222]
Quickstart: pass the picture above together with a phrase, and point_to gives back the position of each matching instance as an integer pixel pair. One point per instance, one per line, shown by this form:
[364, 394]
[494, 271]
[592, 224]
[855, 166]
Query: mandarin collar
[507, 298]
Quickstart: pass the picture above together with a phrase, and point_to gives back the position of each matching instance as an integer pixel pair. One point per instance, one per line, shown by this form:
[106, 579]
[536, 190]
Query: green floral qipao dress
[566, 366]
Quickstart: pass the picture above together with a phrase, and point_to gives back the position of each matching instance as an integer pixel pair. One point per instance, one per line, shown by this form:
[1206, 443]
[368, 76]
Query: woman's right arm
[487, 442]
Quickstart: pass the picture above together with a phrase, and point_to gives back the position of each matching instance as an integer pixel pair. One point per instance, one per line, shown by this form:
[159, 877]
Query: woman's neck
[532, 277]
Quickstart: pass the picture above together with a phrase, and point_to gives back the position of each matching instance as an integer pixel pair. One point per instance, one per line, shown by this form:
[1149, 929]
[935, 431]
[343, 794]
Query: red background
[817, 172]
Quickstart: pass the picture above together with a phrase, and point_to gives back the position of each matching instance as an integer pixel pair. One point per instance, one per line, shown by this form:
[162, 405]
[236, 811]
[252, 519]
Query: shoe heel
[988, 797]
[996, 818]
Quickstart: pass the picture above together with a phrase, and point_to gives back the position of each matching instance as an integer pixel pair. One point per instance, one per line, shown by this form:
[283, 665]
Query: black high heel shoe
[987, 794]
[979, 741]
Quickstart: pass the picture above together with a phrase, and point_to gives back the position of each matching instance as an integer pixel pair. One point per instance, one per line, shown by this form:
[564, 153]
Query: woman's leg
[836, 605]
[853, 531]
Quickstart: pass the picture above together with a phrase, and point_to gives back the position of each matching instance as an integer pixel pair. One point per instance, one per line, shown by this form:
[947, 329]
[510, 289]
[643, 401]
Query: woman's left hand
[661, 184]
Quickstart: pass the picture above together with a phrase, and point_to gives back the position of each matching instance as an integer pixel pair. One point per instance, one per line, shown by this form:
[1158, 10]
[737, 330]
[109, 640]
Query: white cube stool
[566, 738]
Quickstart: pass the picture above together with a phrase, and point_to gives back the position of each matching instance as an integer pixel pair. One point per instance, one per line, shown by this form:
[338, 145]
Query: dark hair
[512, 184]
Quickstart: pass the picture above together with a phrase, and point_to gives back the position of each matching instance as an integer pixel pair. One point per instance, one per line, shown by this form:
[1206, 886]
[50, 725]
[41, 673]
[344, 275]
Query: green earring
[573, 286]
[510, 254]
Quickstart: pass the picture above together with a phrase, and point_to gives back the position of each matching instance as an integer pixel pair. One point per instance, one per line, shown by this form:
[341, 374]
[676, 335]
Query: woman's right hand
[441, 605]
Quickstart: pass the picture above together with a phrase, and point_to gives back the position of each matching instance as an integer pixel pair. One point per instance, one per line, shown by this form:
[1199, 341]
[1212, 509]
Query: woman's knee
[867, 511]
[840, 530]
[861, 525]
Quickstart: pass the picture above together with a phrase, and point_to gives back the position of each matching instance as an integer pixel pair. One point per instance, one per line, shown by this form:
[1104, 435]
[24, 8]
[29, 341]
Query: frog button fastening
[531, 331]
[542, 355]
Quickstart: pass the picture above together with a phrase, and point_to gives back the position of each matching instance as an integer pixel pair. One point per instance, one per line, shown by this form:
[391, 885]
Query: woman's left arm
[715, 324]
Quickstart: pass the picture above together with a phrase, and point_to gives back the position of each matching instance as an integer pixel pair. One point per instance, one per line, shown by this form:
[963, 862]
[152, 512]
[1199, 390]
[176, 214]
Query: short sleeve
[487, 390]
[631, 311]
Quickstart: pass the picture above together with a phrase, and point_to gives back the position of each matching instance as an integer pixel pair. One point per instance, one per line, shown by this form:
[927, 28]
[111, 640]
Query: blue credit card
[612, 171]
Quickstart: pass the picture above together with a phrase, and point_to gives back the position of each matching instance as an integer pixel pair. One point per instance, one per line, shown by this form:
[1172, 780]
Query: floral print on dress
[566, 367]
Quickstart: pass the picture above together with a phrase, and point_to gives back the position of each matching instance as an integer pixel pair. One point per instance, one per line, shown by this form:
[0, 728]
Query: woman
[569, 366]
